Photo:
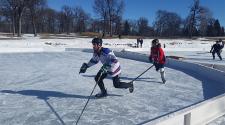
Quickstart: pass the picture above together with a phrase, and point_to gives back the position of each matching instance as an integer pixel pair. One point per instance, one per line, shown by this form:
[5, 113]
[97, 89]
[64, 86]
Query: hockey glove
[104, 69]
[150, 60]
[156, 62]
[83, 68]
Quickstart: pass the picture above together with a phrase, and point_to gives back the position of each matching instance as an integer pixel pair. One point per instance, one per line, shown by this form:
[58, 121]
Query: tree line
[34, 16]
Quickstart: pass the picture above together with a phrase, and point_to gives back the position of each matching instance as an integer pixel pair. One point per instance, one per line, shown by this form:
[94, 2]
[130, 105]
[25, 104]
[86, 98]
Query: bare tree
[61, 21]
[108, 10]
[167, 23]
[96, 25]
[20, 5]
[35, 6]
[194, 17]
[126, 29]
[15, 10]
[101, 9]
[9, 9]
[115, 10]
[81, 19]
[143, 26]
[68, 17]
[50, 20]
[204, 17]
[47, 21]
[118, 25]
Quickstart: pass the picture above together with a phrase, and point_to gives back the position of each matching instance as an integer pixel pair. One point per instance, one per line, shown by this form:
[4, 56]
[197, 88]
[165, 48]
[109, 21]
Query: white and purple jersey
[107, 57]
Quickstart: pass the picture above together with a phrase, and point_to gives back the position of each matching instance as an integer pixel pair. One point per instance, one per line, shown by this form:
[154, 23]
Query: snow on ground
[197, 49]
[45, 87]
[191, 50]
[28, 41]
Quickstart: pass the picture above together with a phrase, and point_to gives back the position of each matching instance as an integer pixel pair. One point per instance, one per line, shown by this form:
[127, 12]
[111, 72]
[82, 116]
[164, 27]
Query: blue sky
[134, 9]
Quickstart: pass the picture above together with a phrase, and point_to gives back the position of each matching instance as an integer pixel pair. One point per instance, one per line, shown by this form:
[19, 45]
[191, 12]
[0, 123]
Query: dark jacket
[217, 47]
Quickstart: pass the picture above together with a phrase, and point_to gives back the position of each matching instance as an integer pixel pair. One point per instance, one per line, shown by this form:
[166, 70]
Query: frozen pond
[46, 89]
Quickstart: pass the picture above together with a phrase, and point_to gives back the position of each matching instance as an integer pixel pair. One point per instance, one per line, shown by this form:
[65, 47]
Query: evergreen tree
[126, 30]
[217, 28]
[209, 30]
[222, 31]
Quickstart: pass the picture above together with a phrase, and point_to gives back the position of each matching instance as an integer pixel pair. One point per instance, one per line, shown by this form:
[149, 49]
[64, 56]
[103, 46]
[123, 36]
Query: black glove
[83, 68]
[156, 62]
[104, 69]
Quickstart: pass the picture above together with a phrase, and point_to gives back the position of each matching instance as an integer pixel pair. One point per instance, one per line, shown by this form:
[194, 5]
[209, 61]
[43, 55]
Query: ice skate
[131, 88]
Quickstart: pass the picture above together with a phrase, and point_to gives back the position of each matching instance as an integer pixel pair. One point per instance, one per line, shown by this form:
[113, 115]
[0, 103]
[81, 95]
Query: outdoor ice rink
[47, 89]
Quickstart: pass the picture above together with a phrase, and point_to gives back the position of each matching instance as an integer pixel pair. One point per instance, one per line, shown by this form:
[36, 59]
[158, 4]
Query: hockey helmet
[155, 41]
[97, 41]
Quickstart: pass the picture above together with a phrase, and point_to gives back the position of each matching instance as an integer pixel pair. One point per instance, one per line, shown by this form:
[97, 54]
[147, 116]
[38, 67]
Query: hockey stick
[88, 99]
[203, 52]
[142, 73]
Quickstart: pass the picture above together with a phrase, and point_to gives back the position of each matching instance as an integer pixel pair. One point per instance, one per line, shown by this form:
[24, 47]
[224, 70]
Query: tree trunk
[13, 25]
[110, 27]
[20, 11]
[34, 24]
[19, 26]
[34, 28]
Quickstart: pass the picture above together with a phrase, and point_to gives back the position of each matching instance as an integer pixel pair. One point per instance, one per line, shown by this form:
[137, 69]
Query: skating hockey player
[111, 66]
[157, 57]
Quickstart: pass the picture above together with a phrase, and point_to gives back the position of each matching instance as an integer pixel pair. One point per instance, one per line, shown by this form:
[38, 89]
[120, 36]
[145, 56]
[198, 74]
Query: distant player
[217, 48]
[138, 41]
[110, 66]
[157, 57]
[141, 42]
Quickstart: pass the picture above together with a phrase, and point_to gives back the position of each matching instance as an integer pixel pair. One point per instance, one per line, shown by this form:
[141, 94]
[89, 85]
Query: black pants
[158, 66]
[218, 54]
[116, 82]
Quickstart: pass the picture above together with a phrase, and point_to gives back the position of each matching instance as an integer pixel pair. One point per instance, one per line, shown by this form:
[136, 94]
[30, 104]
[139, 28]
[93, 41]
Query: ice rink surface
[46, 89]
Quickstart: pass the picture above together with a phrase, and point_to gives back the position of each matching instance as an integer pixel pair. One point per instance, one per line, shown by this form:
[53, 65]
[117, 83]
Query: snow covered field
[45, 88]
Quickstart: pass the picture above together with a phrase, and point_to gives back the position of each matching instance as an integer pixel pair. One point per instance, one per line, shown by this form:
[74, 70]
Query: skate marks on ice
[66, 91]
[45, 96]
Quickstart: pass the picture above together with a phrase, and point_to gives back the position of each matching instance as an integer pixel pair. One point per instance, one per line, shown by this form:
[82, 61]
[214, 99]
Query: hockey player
[217, 48]
[157, 57]
[110, 66]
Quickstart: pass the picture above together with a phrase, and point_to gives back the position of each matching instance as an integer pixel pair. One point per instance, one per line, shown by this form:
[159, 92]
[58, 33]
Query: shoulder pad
[106, 50]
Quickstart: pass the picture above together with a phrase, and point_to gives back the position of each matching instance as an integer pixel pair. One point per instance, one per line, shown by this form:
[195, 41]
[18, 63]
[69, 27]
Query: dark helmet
[97, 41]
[155, 41]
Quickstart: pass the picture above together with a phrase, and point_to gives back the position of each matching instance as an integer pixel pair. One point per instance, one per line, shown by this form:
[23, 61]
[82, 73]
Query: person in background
[111, 66]
[157, 57]
[141, 42]
[217, 49]
[138, 41]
